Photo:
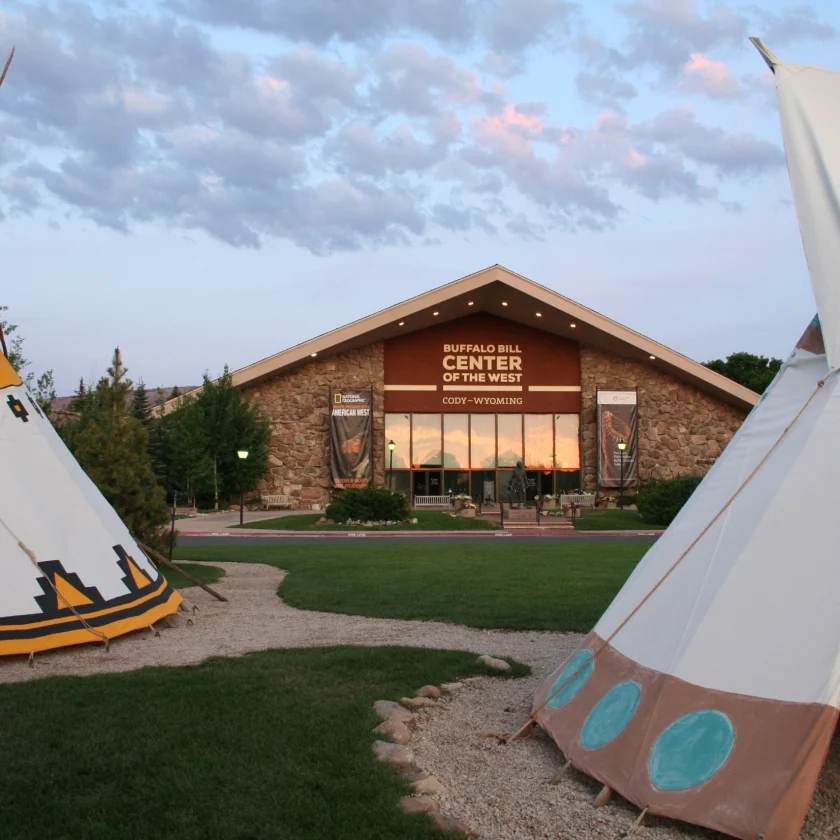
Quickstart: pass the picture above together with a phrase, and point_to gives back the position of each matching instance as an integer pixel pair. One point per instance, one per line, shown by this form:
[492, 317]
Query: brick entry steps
[518, 518]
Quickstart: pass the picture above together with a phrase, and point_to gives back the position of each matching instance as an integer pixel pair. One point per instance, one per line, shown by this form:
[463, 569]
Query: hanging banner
[351, 438]
[617, 418]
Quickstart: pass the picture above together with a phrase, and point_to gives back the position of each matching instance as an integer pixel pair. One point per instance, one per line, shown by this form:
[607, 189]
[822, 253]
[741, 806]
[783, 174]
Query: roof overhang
[500, 292]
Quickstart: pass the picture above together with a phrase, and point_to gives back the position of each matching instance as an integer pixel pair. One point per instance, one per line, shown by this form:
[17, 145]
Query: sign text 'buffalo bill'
[481, 363]
[351, 438]
[617, 421]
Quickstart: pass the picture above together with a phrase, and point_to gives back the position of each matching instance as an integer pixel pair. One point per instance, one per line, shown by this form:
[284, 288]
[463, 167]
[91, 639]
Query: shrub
[660, 500]
[373, 504]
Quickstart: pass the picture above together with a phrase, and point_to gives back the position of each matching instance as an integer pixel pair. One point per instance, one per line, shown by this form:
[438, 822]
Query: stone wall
[679, 425]
[297, 405]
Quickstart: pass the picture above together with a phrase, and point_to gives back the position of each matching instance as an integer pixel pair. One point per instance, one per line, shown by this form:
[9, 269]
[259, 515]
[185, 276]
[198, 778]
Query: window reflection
[456, 440]
[567, 441]
[510, 439]
[539, 441]
[398, 429]
[483, 441]
[426, 443]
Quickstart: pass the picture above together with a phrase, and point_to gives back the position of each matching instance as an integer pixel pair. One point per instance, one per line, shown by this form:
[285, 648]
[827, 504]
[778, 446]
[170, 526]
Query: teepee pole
[156, 556]
[6, 66]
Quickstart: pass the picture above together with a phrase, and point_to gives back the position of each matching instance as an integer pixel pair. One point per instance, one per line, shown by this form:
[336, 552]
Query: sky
[208, 182]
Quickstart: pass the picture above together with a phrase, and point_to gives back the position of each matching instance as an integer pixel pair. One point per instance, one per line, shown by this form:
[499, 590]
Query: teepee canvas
[70, 572]
[709, 690]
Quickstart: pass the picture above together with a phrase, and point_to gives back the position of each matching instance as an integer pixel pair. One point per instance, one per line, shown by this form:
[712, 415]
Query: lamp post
[621, 446]
[391, 447]
[243, 454]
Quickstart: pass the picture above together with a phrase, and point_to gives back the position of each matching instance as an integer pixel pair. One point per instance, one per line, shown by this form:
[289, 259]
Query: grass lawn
[268, 746]
[498, 583]
[613, 520]
[427, 520]
[206, 574]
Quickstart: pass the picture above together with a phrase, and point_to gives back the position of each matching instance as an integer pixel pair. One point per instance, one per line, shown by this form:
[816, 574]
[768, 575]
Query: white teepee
[70, 572]
[709, 690]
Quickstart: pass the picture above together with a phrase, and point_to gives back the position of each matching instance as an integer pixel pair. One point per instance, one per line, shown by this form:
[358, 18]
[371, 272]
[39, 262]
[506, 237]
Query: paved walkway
[207, 523]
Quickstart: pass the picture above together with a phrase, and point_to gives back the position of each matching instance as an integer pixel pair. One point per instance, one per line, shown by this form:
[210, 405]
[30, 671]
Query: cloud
[798, 23]
[711, 78]
[126, 119]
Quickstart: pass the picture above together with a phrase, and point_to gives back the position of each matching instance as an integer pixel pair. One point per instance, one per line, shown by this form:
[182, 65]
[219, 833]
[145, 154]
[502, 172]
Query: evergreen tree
[112, 447]
[140, 408]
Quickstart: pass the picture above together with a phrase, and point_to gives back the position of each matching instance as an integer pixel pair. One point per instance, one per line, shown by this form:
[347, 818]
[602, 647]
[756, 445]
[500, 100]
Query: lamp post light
[243, 454]
[621, 446]
[391, 447]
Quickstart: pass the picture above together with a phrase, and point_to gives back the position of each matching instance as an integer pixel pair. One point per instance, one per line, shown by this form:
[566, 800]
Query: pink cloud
[712, 78]
[512, 131]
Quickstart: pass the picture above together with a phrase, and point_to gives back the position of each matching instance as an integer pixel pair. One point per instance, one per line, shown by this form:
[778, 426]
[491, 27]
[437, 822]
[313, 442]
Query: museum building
[471, 378]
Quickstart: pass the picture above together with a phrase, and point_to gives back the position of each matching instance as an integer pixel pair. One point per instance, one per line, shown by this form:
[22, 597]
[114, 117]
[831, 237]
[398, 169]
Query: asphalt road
[384, 538]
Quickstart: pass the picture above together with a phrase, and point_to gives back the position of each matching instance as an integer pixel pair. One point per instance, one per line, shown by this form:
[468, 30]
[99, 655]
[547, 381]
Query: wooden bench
[278, 501]
[580, 499]
[431, 501]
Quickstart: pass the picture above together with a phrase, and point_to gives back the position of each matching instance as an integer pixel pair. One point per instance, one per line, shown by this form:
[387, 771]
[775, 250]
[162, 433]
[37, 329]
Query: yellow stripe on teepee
[69, 594]
[8, 375]
[139, 578]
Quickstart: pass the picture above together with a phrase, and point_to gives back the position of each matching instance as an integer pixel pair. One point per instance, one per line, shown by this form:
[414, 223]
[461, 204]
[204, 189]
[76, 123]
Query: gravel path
[501, 791]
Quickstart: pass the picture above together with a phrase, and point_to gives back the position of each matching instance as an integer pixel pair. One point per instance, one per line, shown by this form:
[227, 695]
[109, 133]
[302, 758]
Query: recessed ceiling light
[470, 303]
[539, 314]
[504, 303]
[401, 323]
[435, 313]
[653, 357]
[313, 354]
[572, 325]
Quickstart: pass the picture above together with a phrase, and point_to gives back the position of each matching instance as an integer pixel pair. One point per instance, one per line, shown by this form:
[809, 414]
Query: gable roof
[509, 295]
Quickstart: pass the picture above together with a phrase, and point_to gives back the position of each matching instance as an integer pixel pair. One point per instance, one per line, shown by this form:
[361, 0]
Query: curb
[557, 534]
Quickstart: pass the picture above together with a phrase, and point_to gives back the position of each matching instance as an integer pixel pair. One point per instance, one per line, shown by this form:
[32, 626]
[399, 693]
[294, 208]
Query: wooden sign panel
[482, 363]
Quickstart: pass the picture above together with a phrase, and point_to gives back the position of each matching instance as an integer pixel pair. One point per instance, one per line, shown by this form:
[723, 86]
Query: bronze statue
[518, 483]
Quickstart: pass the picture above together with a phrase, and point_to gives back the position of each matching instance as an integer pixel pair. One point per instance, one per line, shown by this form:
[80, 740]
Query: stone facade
[297, 405]
[680, 427]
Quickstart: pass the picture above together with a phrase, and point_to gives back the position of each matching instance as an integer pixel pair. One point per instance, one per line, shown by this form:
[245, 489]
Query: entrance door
[427, 483]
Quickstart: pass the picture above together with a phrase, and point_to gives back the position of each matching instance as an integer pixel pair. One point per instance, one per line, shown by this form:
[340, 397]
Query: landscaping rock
[413, 773]
[396, 730]
[492, 662]
[451, 824]
[395, 753]
[416, 702]
[418, 804]
[430, 786]
[389, 710]
[451, 688]
[431, 691]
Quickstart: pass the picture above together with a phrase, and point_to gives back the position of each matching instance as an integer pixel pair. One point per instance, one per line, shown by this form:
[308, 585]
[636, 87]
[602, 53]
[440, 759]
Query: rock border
[398, 720]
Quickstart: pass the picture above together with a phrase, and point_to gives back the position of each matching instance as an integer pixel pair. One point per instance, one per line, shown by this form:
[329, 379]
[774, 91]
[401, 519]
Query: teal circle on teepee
[691, 750]
[571, 680]
[611, 715]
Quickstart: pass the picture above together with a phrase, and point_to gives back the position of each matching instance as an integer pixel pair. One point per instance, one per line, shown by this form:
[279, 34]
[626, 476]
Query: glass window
[398, 429]
[456, 483]
[539, 441]
[425, 440]
[567, 441]
[456, 441]
[484, 486]
[483, 441]
[510, 439]
[399, 481]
